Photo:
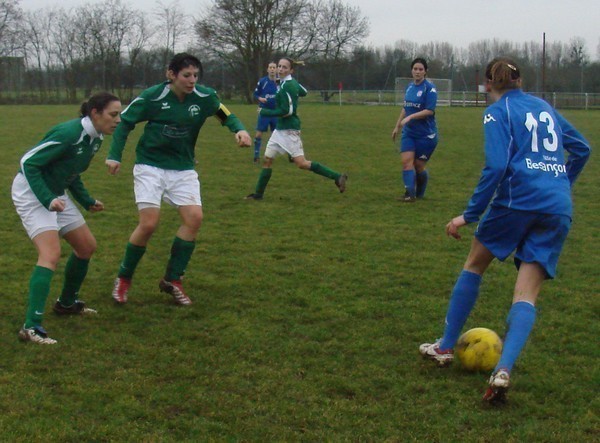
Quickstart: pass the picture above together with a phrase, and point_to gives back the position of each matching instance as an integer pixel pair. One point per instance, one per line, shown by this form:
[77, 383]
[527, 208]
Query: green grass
[308, 306]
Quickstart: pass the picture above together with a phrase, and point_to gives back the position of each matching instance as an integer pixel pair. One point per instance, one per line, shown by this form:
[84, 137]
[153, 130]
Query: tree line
[55, 53]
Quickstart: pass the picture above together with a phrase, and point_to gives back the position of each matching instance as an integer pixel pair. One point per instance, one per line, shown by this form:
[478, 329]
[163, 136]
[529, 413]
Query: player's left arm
[81, 194]
[576, 145]
[234, 124]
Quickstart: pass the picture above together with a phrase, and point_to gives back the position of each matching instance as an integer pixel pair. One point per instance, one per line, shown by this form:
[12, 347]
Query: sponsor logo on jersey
[555, 168]
[165, 105]
[194, 110]
[488, 118]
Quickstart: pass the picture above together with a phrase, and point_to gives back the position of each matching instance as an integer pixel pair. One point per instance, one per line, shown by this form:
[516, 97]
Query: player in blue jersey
[419, 132]
[526, 188]
[264, 93]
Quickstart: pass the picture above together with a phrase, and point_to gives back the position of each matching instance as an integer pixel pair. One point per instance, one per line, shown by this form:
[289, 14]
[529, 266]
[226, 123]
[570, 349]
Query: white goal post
[442, 85]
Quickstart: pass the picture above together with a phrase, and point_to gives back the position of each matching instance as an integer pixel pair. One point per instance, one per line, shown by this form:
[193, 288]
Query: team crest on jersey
[488, 118]
[194, 110]
[419, 94]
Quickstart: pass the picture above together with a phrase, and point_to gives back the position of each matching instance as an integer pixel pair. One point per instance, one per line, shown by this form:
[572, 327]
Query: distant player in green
[286, 137]
[164, 167]
[50, 168]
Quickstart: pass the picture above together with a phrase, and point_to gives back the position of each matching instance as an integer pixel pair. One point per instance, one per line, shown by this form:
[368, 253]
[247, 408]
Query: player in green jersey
[50, 168]
[286, 137]
[164, 167]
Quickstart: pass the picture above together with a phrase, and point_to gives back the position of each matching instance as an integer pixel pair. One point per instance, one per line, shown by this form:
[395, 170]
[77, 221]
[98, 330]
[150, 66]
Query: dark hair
[183, 60]
[419, 60]
[98, 102]
[503, 73]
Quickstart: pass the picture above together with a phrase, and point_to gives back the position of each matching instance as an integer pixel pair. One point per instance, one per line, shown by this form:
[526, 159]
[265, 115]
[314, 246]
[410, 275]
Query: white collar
[88, 127]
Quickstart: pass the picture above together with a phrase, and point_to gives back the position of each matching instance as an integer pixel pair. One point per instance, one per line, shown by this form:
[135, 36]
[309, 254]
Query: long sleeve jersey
[287, 104]
[172, 127]
[55, 163]
[418, 98]
[525, 168]
[266, 88]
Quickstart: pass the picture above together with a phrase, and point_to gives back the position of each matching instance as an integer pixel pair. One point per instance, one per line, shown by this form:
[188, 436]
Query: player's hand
[262, 99]
[97, 206]
[243, 139]
[394, 134]
[405, 120]
[113, 166]
[57, 205]
[454, 225]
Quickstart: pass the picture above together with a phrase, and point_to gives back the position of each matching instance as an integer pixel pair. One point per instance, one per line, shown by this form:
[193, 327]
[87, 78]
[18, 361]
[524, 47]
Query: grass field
[308, 306]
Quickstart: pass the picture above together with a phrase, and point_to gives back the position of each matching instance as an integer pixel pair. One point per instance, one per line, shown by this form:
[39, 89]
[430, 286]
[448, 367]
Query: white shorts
[36, 218]
[177, 188]
[284, 141]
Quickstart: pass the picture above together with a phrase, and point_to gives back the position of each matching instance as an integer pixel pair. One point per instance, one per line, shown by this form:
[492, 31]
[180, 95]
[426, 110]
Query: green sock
[133, 255]
[181, 253]
[263, 180]
[320, 169]
[39, 288]
[75, 272]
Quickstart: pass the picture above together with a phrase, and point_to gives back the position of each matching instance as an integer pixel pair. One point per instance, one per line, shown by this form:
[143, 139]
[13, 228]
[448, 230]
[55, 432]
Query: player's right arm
[497, 140]
[131, 115]
[50, 149]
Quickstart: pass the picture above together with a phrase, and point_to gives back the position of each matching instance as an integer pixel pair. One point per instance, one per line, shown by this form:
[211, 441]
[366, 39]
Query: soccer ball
[479, 349]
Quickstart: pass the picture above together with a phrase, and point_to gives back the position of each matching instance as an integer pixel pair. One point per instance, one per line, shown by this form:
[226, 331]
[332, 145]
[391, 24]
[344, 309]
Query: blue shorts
[264, 123]
[537, 238]
[423, 147]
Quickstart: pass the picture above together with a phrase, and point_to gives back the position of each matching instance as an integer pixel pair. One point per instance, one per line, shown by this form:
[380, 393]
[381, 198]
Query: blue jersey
[525, 168]
[266, 88]
[416, 99]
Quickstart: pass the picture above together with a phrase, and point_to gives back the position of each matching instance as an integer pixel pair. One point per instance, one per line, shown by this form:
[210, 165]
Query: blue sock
[464, 296]
[409, 181]
[257, 142]
[520, 320]
[422, 178]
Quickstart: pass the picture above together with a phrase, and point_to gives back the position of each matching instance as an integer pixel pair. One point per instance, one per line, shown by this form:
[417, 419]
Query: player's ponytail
[98, 102]
[503, 73]
[294, 63]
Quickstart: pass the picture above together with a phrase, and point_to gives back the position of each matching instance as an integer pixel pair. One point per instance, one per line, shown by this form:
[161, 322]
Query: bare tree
[174, 23]
[245, 34]
[11, 18]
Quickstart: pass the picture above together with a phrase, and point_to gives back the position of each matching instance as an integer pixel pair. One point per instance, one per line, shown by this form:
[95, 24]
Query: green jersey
[170, 135]
[55, 163]
[287, 104]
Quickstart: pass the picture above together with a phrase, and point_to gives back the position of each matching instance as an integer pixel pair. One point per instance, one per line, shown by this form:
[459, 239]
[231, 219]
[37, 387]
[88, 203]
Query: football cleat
[37, 334]
[433, 352]
[253, 197]
[119, 293]
[340, 182]
[497, 387]
[77, 308]
[407, 199]
[176, 290]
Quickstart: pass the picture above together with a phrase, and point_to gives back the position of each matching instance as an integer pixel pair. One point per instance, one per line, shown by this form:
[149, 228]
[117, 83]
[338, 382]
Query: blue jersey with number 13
[525, 169]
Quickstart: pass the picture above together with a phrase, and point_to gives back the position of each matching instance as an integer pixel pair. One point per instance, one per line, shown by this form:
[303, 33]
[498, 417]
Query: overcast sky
[458, 22]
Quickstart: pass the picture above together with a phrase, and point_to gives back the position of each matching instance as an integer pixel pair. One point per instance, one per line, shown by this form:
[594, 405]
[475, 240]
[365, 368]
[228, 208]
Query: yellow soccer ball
[479, 349]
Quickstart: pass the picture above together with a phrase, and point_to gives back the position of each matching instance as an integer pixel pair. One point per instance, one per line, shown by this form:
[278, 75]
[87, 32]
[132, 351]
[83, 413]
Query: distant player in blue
[419, 132]
[264, 93]
[527, 185]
